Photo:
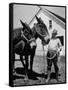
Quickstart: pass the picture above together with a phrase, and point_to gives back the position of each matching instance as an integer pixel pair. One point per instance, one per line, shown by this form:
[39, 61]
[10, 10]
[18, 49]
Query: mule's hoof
[47, 80]
[26, 78]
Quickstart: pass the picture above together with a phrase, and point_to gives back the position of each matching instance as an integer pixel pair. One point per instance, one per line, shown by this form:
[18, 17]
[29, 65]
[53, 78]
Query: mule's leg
[13, 63]
[32, 58]
[26, 64]
[26, 67]
[21, 58]
[31, 62]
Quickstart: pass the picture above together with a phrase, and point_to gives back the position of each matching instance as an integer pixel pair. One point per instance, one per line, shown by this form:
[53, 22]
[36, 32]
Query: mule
[22, 37]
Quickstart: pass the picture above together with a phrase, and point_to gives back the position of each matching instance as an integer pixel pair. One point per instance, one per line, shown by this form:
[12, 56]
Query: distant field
[40, 66]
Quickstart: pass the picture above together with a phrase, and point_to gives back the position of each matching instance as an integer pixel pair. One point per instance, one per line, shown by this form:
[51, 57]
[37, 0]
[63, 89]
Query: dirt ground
[40, 67]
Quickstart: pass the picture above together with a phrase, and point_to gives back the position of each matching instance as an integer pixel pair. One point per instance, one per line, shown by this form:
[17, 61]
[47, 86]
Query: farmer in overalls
[54, 47]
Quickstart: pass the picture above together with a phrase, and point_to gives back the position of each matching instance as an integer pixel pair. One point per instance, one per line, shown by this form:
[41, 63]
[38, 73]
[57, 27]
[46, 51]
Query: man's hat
[54, 31]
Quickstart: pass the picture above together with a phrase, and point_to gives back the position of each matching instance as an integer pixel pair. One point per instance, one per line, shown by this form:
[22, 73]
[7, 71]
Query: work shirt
[54, 44]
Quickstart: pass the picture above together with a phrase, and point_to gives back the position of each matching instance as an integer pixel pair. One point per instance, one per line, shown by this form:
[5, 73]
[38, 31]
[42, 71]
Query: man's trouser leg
[55, 60]
[49, 64]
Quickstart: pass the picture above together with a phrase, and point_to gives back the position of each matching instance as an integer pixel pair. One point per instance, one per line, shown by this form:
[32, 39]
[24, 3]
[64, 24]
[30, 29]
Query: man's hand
[59, 50]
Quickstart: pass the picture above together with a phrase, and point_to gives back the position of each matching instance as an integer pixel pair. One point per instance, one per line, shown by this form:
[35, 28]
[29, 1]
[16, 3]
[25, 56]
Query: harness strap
[27, 38]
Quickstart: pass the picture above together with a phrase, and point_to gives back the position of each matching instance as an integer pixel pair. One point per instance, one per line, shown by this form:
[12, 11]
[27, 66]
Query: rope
[53, 56]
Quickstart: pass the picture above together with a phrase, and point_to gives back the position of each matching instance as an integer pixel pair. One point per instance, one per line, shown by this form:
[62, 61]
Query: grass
[40, 66]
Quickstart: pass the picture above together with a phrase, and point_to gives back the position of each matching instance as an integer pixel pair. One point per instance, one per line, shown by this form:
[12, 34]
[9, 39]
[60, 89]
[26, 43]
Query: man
[54, 47]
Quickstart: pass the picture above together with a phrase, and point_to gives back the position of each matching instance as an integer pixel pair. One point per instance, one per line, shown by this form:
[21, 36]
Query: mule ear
[23, 24]
[37, 18]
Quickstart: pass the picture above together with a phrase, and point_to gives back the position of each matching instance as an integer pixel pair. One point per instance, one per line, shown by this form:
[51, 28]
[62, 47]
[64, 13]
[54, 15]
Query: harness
[23, 34]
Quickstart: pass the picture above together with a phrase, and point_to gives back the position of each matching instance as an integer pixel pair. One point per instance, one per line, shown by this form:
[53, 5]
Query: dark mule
[22, 38]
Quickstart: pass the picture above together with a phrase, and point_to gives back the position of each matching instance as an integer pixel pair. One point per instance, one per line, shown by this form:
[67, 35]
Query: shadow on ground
[31, 74]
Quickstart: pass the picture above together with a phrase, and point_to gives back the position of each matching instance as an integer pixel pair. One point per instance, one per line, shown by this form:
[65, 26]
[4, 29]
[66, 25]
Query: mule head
[27, 30]
[42, 30]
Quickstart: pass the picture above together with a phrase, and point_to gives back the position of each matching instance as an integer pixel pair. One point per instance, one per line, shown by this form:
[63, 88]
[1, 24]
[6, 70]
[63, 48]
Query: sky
[27, 12]
[23, 12]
